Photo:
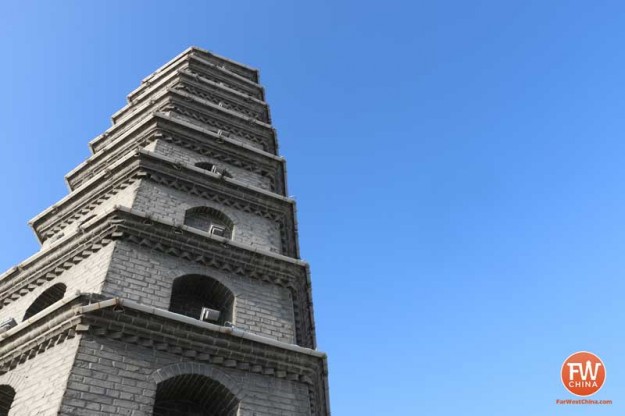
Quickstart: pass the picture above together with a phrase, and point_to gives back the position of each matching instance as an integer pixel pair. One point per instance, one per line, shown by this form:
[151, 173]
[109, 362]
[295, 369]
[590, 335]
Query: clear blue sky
[459, 168]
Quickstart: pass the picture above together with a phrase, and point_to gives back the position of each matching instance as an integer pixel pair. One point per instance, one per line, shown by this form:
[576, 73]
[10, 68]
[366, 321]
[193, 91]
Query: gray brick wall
[123, 197]
[169, 204]
[87, 276]
[231, 136]
[115, 378]
[89, 375]
[189, 157]
[146, 276]
[39, 383]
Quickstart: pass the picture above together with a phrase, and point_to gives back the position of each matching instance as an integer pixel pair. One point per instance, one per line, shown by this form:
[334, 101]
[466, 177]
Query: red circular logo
[583, 373]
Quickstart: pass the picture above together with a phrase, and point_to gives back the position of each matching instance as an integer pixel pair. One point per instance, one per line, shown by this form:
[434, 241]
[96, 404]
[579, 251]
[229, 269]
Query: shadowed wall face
[209, 220]
[194, 395]
[192, 293]
[47, 298]
[7, 394]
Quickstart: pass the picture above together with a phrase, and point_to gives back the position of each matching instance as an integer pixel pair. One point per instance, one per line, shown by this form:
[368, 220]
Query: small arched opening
[206, 166]
[7, 394]
[209, 220]
[191, 295]
[212, 168]
[47, 298]
[194, 395]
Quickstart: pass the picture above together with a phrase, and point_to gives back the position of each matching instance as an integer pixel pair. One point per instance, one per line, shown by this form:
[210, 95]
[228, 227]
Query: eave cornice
[230, 122]
[203, 88]
[188, 135]
[49, 263]
[202, 59]
[226, 63]
[126, 321]
[124, 224]
[144, 164]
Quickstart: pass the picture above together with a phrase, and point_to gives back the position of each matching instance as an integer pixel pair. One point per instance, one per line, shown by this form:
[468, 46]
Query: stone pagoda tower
[169, 280]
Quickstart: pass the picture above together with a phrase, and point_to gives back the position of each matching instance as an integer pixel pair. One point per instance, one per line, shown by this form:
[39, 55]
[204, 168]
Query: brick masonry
[123, 197]
[146, 277]
[87, 277]
[165, 203]
[40, 382]
[191, 158]
[127, 379]
[118, 242]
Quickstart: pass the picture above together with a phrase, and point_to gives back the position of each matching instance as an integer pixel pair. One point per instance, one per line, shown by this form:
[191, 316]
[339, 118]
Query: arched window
[7, 394]
[191, 295]
[206, 166]
[209, 220]
[212, 168]
[47, 298]
[194, 395]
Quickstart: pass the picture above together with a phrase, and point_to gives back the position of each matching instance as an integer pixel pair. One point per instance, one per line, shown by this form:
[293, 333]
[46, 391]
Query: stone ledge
[187, 135]
[129, 322]
[205, 88]
[148, 165]
[124, 224]
[207, 115]
[205, 56]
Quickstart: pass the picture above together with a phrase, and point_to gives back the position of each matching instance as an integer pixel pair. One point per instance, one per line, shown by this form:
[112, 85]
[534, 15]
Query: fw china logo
[583, 373]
